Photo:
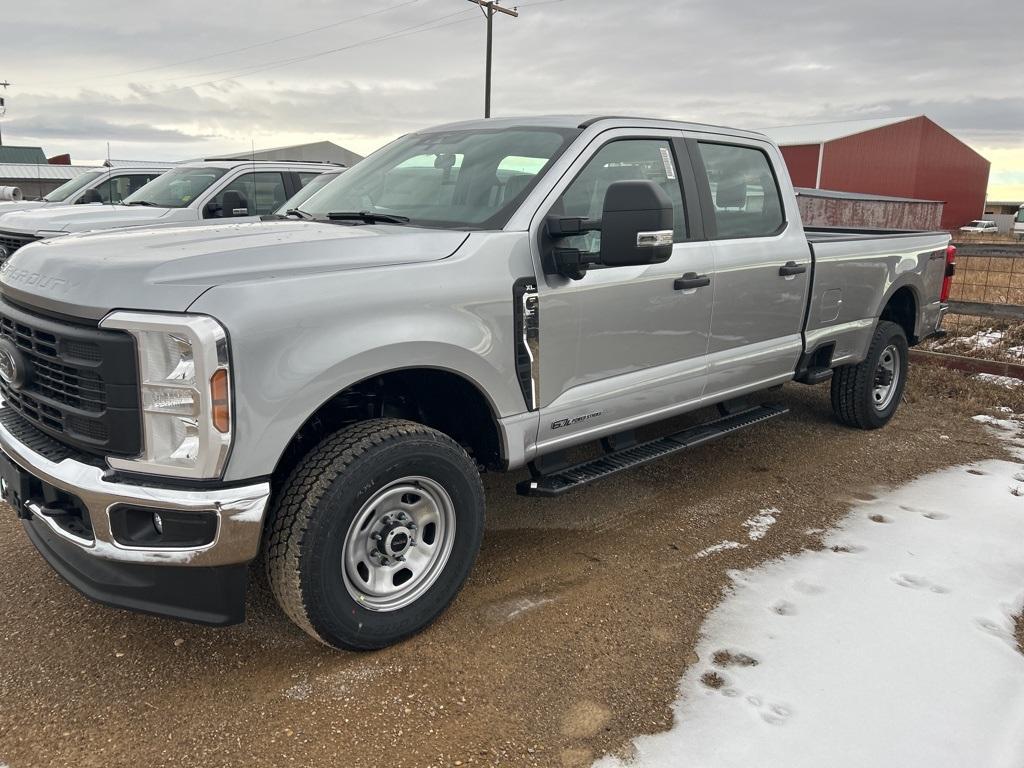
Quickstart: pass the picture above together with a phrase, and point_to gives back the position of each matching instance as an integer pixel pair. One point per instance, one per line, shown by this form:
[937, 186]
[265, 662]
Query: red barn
[898, 156]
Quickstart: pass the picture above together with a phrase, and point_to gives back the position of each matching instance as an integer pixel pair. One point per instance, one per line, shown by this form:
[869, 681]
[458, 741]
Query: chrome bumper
[239, 511]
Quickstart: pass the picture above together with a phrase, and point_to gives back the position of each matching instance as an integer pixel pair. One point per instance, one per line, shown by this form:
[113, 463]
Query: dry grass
[988, 338]
[962, 391]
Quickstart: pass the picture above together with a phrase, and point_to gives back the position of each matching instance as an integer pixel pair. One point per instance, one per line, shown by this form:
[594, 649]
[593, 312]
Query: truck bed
[849, 268]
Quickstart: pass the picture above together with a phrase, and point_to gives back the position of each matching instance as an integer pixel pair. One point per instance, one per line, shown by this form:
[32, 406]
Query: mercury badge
[12, 365]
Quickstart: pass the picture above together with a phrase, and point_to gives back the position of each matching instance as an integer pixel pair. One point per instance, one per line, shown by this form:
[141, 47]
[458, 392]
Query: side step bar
[573, 477]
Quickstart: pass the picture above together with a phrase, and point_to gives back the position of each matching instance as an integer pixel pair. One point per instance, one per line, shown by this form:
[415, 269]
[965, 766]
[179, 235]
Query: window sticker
[670, 168]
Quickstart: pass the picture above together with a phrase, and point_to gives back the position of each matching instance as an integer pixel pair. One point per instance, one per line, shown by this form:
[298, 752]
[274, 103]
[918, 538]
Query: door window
[745, 194]
[621, 160]
[251, 194]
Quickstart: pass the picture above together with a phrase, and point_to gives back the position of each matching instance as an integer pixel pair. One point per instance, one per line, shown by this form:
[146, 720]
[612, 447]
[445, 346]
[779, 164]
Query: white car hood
[81, 218]
[167, 268]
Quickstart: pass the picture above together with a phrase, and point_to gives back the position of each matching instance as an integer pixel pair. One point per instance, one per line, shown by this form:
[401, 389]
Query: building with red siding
[911, 157]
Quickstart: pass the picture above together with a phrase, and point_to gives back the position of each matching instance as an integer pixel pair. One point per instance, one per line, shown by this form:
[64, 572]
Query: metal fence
[986, 317]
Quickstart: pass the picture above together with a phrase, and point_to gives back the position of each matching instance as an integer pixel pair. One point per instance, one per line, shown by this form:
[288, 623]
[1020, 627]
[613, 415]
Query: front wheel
[374, 533]
[867, 395]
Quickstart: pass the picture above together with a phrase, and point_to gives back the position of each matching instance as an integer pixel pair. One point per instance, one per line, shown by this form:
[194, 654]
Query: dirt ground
[569, 639]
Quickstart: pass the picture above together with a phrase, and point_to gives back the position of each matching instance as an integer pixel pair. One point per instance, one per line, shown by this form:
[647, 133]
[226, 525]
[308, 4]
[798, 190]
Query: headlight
[185, 380]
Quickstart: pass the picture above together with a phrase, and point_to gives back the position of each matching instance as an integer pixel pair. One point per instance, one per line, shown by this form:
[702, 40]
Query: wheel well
[902, 310]
[439, 399]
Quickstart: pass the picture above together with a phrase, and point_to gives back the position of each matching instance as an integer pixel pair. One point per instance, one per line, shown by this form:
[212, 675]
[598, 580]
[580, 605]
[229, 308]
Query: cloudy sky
[185, 79]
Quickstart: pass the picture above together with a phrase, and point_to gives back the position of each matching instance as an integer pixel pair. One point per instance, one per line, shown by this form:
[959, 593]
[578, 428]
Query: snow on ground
[1003, 381]
[893, 646]
[757, 526]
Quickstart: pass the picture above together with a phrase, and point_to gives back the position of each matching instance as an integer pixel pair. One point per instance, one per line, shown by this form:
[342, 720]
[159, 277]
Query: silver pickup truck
[325, 388]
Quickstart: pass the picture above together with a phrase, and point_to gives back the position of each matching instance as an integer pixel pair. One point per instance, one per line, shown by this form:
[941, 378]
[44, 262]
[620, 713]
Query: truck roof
[584, 121]
[234, 162]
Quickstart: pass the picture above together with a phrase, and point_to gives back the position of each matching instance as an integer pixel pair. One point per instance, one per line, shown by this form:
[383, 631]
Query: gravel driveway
[557, 651]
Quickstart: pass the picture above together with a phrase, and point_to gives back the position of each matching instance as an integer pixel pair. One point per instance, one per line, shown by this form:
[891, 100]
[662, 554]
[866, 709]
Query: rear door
[622, 345]
[762, 263]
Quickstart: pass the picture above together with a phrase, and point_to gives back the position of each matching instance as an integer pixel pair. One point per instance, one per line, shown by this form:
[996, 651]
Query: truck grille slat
[11, 241]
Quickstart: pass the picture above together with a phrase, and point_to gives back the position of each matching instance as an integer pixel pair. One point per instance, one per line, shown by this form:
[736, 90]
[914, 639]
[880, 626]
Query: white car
[202, 191]
[101, 185]
[980, 225]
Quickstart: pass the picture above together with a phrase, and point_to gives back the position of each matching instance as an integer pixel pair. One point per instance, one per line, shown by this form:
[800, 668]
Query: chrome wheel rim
[398, 544]
[887, 377]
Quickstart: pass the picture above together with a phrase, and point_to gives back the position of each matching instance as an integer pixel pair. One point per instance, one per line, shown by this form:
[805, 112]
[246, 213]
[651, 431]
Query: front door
[624, 345]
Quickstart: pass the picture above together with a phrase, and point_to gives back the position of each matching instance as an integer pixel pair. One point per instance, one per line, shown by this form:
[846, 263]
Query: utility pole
[3, 107]
[489, 7]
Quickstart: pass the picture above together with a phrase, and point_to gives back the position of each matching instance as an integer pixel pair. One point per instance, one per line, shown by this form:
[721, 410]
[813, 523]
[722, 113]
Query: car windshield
[469, 179]
[315, 185]
[177, 188]
[1020, 216]
[66, 190]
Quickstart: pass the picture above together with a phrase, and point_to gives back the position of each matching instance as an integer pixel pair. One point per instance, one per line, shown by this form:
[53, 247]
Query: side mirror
[636, 224]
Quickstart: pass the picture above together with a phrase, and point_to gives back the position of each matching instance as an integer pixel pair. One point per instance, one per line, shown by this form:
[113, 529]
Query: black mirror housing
[636, 224]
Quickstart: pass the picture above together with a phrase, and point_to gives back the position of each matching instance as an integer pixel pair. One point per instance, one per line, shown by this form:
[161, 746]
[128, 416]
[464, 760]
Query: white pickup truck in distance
[326, 386]
[111, 184]
[206, 190]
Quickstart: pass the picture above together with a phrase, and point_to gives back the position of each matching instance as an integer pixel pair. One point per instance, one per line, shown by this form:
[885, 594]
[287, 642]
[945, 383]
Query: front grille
[12, 241]
[79, 383]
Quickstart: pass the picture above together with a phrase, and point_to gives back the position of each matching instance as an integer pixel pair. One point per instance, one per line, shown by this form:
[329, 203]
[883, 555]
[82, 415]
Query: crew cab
[326, 387]
[196, 191]
[110, 184]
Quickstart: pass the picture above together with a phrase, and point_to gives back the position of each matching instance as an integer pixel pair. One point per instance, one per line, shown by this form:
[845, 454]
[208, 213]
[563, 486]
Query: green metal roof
[22, 155]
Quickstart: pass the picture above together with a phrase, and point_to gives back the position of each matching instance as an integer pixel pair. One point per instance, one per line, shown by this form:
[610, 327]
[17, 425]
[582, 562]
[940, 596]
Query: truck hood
[168, 268]
[81, 218]
[9, 206]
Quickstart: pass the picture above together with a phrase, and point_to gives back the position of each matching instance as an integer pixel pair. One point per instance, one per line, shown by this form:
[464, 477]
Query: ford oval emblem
[13, 368]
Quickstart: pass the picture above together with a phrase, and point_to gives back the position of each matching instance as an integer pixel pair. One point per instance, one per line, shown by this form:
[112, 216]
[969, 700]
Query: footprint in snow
[783, 608]
[807, 588]
[849, 549]
[724, 658]
[935, 515]
[996, 630]
[880, 519]
[914, 581]
[773, 714]
[976, 472]
[1019, 477]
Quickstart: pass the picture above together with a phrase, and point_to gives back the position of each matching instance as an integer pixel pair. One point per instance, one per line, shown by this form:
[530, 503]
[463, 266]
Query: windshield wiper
[368, 216]
[143, 202]
[299, 214]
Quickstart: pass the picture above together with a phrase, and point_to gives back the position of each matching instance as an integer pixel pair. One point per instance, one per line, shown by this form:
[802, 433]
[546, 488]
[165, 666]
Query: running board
[572, 477]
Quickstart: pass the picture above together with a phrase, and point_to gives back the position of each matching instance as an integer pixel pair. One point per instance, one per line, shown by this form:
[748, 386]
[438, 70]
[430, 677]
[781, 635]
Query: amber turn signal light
[219, 398]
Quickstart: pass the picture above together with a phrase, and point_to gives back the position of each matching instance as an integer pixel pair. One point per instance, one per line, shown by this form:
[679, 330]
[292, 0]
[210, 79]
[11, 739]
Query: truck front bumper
[66, 507]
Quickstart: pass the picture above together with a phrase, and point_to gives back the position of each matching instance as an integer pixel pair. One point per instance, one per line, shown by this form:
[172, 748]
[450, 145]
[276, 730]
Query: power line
[257, 68]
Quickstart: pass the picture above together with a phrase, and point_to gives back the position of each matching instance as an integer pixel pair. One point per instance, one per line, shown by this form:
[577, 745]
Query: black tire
[312, 518]
[854, 398]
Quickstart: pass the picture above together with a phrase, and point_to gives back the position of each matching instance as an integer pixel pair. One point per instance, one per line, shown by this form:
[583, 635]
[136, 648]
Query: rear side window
[745, 194]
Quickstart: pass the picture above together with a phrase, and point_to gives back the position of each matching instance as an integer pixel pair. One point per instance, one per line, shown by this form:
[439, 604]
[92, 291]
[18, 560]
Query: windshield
[1020, 215]
[314, 186]
[176, 188]
[471, 179]
[67, 189]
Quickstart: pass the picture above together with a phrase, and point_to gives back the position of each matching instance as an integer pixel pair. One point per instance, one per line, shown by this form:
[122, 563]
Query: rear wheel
[374, 533]
[867, 395]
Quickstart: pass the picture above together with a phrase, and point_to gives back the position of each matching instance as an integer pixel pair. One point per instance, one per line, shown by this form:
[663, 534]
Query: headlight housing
[185, 380]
